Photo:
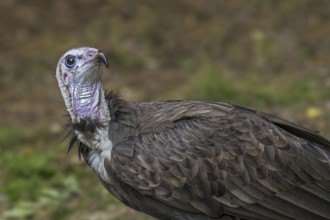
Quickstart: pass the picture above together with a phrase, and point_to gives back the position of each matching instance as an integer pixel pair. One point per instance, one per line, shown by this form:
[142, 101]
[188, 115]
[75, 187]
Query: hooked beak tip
[103, 59]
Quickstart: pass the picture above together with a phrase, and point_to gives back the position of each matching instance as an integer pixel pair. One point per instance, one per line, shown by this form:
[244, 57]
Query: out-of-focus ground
[270, 55]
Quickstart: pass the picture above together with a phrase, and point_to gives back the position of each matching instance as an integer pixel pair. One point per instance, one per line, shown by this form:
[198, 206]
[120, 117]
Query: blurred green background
[270, 55]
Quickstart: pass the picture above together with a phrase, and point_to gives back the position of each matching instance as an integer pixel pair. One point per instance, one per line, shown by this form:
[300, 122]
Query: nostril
[91, 53]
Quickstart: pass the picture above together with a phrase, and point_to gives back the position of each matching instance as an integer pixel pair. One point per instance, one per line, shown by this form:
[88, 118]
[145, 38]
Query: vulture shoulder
[213, 158]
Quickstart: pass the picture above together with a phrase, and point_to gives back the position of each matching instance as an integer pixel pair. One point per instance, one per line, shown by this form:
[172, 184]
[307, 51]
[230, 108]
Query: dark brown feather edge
[292, 128]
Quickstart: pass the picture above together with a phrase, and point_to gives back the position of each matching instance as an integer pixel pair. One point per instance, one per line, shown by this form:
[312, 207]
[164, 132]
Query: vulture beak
[102, 59]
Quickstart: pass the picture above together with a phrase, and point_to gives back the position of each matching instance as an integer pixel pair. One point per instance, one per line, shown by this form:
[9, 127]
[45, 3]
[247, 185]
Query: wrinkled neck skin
[86, 93]
[89, 103]
[85, 100]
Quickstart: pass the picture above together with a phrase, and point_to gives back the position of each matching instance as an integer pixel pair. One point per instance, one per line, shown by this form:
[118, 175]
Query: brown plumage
[198, 160]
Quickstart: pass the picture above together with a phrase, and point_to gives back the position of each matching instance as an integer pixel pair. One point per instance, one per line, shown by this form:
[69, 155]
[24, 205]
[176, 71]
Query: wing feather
[213, 158]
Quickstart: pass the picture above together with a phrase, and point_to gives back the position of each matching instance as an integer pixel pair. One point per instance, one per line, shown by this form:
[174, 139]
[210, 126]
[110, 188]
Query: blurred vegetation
[269, 55]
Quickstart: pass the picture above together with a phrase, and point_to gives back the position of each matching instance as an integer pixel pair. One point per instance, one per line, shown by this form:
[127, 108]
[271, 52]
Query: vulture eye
[70, 61]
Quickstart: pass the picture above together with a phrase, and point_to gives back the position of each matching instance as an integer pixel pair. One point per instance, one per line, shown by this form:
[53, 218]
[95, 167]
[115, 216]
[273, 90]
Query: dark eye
[70, 61]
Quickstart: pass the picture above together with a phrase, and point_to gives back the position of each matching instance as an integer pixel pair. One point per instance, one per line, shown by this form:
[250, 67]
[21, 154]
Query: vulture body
[192, 159]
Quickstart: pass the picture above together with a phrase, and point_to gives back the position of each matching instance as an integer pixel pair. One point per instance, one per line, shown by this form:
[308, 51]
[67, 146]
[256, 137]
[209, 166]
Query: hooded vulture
[193, 159]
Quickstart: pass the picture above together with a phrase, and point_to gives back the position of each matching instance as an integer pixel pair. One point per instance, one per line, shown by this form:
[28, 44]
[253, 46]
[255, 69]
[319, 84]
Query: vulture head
[79, 75]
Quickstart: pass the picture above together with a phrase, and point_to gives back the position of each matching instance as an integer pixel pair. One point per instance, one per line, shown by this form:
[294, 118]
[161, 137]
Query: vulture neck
[94, 132]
